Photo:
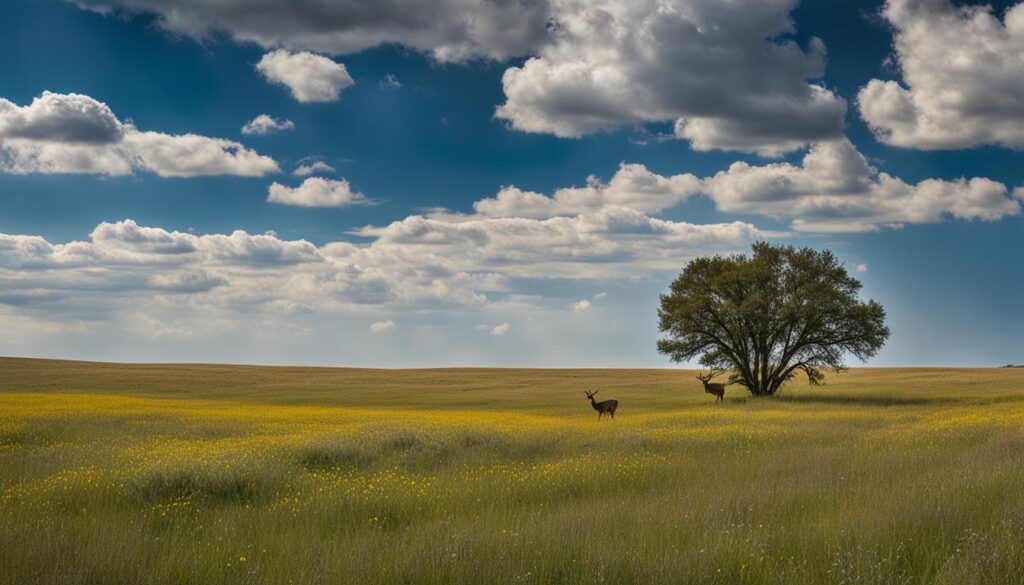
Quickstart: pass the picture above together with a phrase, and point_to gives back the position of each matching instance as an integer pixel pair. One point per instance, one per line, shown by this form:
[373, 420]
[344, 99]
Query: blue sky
[910, 114]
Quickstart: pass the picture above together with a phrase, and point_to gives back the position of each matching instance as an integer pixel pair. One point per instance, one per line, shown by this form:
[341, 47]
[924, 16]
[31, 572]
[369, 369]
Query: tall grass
[217, 474]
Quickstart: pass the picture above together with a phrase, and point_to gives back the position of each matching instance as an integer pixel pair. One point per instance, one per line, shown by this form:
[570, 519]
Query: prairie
[154, 474]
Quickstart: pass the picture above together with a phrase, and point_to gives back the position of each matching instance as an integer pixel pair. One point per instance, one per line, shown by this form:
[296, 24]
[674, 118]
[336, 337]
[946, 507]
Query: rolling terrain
[113, 473]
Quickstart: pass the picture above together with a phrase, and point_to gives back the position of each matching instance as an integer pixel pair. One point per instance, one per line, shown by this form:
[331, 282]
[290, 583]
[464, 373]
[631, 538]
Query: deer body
[713, 388]
[603, 407]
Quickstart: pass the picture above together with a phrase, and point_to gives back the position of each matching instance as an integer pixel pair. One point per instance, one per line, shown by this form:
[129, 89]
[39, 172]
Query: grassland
[115, 474]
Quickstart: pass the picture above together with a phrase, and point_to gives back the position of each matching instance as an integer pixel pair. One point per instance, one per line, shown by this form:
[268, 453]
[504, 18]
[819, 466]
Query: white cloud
[317, 192]
[600, 295]
[382, 326]
[722, 71]
[963, 77]
[862, 267]
[311, 78]
[500, 329]
[613, 241]
[633, 186]
[191, 155]
[263, 124]
[73, 133]
[53, 117]
[833, 190]
[315, 168]
[726, 73]
[836, 190]
[581, 306]
[414, 264]
[389, 82]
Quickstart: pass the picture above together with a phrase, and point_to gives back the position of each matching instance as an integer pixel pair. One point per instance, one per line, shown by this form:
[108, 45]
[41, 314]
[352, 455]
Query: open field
[222, 474]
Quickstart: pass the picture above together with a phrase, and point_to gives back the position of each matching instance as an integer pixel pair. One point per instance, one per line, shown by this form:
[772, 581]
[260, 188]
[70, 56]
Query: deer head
[590, 395]
[707, 378]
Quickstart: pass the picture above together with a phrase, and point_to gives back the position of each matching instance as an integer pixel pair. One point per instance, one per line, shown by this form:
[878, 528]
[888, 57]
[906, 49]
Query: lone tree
[768, 315]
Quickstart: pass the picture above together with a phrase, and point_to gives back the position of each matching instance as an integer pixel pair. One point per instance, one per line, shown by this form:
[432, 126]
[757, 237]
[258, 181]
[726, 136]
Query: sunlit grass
[209, 474]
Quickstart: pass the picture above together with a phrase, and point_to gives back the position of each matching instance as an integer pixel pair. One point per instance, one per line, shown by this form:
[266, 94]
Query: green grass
[228, 474]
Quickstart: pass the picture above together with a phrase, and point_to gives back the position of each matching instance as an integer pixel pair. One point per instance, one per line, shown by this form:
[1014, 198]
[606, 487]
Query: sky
[495, 182]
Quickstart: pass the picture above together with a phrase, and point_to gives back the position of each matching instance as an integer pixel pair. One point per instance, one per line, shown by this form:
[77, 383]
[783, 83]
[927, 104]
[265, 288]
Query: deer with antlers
[603, 407]
[715, 389]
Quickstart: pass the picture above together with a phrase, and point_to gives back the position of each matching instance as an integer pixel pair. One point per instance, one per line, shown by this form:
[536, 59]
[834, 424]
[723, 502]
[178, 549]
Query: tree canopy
[768, 315]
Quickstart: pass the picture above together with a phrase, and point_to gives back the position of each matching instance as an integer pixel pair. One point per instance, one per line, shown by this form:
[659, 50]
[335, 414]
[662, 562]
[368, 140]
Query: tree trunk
[761, 384]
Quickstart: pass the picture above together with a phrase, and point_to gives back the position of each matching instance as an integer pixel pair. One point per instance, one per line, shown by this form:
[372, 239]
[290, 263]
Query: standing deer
[714, 389]
[605, 406]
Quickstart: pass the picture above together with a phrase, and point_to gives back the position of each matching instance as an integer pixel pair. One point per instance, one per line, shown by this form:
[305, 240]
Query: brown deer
[714, 389]
[603, 407]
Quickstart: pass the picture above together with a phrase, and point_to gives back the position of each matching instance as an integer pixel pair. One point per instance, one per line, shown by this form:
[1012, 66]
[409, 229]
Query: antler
[711, 374]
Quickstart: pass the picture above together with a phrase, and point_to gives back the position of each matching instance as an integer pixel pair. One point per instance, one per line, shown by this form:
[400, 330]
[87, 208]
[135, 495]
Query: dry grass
[223, 474]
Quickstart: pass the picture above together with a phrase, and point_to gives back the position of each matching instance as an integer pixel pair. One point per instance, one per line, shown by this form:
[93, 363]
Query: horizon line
[459, 367]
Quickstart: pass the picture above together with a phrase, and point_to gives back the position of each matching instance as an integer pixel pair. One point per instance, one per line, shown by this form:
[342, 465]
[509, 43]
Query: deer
[603, 407]
[715, 389]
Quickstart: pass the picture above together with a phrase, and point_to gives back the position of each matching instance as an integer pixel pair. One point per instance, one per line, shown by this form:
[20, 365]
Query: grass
[227, 474]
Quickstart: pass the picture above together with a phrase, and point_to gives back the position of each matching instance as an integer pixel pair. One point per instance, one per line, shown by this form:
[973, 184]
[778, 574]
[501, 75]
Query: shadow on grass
[12, 437]
[181, 484]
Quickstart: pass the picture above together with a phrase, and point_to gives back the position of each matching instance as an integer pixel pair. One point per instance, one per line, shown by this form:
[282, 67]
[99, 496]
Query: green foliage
[769, 315]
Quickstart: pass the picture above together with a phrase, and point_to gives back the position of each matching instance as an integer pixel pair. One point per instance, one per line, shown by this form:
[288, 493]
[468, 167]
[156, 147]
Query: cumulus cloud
[500, 329]
[412, 264]
[633, 186]
[73, 133]
[309, 77]
[73, 118]
[581, 306]
[124, 257]
[722, 71]
[862, 267]
[611, 242]
[962, 78]
[444, 259]
[727, 74]
[192, 155]
[382, 326]
[263, 124]
[433, 262]
[317, 192]
[318, 167]
[836, 190]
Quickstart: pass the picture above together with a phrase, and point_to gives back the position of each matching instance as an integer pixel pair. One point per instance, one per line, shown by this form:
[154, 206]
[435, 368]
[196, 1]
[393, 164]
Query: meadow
[158, 474]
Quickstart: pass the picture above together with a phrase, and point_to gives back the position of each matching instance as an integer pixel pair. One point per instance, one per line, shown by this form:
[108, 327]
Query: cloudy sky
[495, 182]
